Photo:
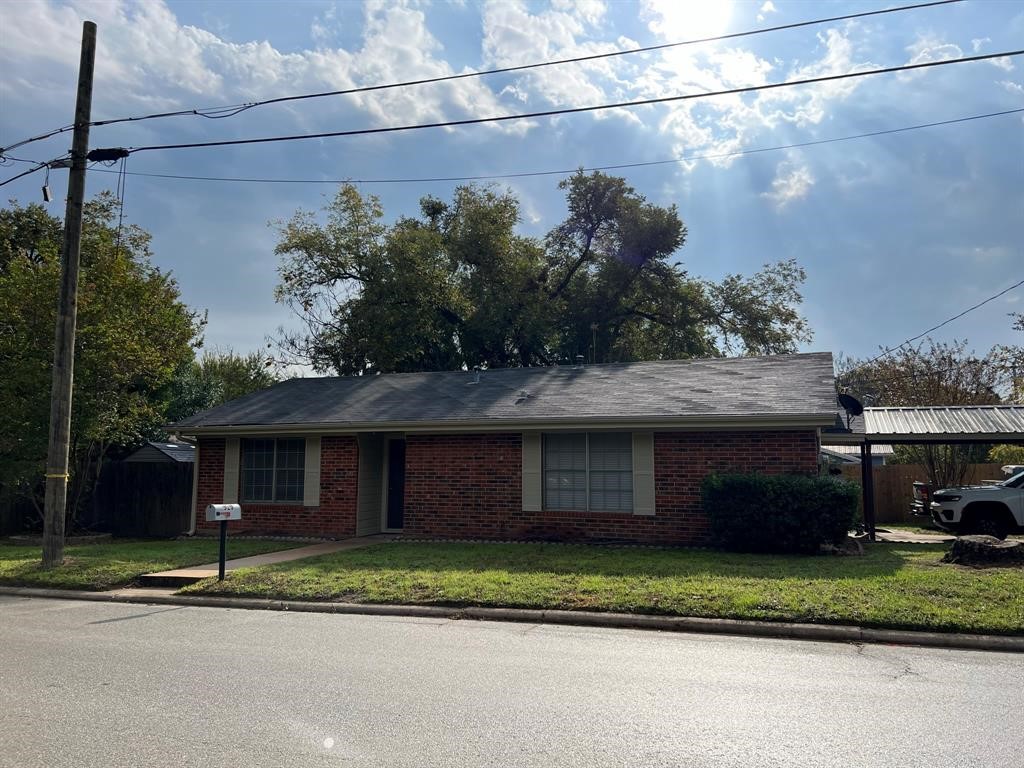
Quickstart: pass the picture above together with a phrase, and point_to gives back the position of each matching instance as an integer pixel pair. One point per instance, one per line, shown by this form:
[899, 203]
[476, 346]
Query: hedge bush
[778, 513]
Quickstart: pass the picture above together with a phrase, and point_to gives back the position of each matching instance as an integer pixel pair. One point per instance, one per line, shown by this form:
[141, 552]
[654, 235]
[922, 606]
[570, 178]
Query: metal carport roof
[932, 424]
[942, 424]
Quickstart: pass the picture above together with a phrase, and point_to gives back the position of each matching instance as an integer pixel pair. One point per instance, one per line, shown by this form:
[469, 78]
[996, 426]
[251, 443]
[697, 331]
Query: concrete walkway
[909, 537]
[179, 577]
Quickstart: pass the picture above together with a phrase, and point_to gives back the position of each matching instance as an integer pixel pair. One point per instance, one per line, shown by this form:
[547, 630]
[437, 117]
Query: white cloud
[810, 104]
[590, 11]
[978, 42]
[1004, 63]
[513, 35]
[929, 48]
[768, 7]
[1012, 87]
[143, 50]
[792, 182]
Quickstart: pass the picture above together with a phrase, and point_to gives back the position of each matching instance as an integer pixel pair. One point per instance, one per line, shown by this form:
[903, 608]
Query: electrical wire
[234, 109]
[121, 183]
[947, 321]
[578, 110]
[39, 167]
[570, 171]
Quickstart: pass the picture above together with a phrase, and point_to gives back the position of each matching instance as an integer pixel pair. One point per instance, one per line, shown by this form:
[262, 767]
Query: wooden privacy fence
[16, 513]
[144, 499]
[894, 487]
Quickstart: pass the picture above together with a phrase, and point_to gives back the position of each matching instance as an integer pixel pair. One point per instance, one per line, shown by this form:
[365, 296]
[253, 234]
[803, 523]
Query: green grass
[118, 563]
[893, 585]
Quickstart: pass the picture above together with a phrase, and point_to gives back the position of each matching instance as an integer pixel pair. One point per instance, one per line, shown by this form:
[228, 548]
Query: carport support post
[223, 548]
[867, 476]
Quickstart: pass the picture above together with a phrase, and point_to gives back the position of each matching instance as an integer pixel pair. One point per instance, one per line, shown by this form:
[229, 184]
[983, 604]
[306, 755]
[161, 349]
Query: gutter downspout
[195, 492]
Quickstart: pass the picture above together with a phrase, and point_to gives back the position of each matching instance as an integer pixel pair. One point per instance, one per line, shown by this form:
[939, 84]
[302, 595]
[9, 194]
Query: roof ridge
[570, 366]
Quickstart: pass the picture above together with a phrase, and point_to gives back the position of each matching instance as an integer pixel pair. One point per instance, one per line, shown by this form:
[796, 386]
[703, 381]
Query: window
[273, 470]
[589, 471]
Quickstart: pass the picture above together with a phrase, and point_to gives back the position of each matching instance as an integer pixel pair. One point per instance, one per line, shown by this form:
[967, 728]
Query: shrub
[1007, 454]
[778, 513]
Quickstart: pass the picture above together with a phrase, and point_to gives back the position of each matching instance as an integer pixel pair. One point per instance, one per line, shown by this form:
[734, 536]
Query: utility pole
[64, 354]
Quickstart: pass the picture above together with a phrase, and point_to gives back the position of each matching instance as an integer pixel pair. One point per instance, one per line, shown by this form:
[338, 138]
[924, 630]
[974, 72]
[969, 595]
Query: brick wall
[334, 518]
[209, 481]
[683, 459]
[470, 485]
[462, 485]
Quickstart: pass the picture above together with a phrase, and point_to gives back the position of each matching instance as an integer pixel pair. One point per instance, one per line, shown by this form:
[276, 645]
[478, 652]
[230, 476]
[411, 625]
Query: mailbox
[218, 512]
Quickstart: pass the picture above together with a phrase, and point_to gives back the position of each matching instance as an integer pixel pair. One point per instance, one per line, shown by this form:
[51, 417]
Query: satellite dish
[851, 405]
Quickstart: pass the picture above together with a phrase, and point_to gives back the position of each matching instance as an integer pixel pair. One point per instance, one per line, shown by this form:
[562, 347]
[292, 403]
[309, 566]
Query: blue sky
[896, 233]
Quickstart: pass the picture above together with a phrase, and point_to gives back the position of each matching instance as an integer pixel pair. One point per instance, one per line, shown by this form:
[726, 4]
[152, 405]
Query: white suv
[997, 509]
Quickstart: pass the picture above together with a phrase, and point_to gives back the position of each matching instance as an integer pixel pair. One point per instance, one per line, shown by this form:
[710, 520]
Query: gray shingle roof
[153, 450]
[780, 386]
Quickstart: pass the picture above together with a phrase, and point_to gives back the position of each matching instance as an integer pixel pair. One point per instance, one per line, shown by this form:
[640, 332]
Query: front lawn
[893, 585]
[117, 563]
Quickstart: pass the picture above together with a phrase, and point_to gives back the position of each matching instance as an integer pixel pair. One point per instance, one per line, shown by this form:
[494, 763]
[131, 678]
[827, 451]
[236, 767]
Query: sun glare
[689, 19]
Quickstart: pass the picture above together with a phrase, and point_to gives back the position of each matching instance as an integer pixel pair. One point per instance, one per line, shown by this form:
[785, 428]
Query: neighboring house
[850, 454]
[603, 452]
[157, 452]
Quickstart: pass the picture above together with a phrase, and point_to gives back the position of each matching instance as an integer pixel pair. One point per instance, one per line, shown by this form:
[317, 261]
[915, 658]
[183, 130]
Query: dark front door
[396, 484]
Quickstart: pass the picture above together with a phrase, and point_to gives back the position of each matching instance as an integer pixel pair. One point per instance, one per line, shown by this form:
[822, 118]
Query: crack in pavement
[903, 668]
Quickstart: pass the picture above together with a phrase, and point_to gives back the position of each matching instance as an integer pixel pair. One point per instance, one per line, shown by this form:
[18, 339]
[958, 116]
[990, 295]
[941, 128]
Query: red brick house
[603, 452]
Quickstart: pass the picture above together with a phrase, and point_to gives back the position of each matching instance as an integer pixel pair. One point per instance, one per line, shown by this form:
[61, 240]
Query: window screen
[565, 471]
[291, 456]
[258, 470]
[611, 471]
[589, 471]
[273, 470]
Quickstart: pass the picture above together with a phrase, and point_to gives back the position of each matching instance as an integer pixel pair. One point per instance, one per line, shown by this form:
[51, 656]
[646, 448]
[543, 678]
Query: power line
[234, 109]
[577, 110]
[570, 171]
[39, 167]
[525, 174]
[936, 327]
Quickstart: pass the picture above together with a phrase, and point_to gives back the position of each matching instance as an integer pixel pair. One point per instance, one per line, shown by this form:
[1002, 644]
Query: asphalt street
[97, 684]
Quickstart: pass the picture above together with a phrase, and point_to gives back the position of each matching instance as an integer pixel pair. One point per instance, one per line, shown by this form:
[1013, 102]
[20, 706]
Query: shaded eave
[694, 423]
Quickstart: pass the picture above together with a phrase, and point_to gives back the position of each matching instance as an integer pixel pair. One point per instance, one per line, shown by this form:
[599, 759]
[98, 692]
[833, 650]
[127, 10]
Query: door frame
[386, 458]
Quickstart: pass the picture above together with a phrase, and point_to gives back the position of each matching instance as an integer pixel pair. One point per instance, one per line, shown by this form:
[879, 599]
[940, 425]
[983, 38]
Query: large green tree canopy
[458, 287]
[133, 334]
[215, 378]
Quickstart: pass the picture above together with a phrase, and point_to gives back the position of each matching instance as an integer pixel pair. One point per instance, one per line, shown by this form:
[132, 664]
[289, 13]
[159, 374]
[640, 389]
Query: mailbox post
[223, 513]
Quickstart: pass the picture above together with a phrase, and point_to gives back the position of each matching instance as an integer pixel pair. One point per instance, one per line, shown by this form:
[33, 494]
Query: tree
[932, 373]
[215, 378]
[133, 333]
[457, 287]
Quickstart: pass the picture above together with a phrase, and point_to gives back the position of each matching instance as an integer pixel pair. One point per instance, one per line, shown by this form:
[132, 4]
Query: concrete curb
[818, 632]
